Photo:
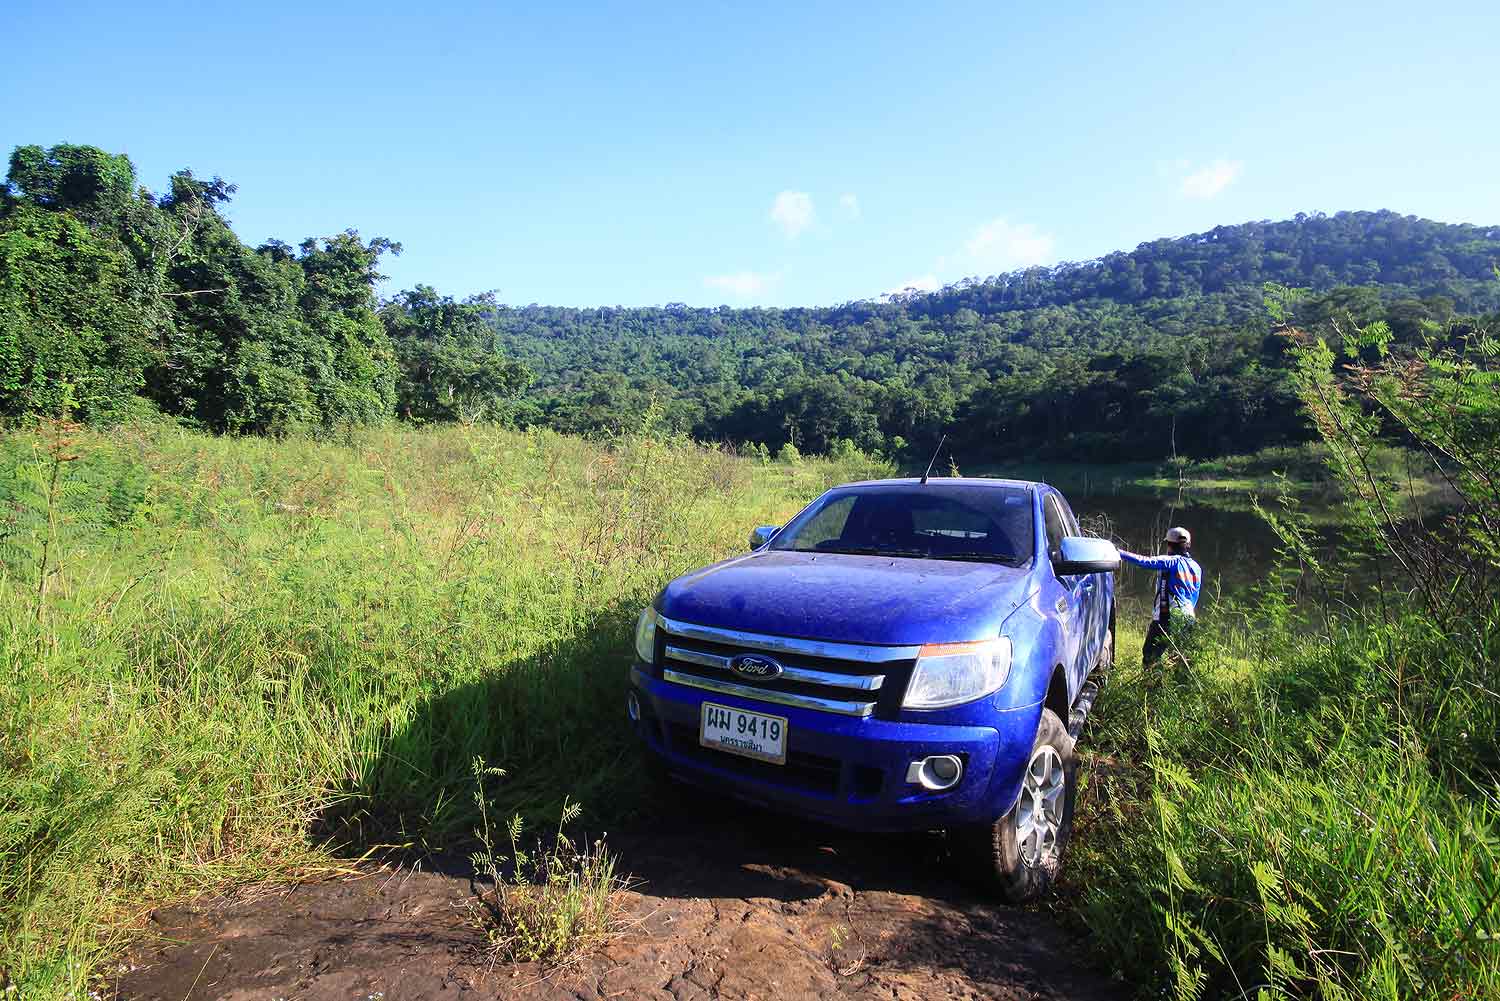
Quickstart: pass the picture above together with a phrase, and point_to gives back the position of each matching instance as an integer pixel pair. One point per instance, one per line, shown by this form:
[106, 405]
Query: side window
[827, 524]
[1070, 523]
[1056, 526]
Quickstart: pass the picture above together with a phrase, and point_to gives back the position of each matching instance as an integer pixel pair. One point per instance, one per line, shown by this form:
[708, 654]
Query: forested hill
[1094, 359]
[1411, 256]
[117, 301]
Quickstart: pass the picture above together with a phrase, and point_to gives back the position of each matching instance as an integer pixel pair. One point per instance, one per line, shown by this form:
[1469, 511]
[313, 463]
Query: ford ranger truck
[902, 655]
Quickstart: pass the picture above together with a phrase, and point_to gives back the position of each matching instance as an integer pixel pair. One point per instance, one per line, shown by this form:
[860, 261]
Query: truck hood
[849, 599]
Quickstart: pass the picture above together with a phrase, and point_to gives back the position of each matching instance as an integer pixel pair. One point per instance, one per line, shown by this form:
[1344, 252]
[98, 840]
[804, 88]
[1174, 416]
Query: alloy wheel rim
[1039, 812]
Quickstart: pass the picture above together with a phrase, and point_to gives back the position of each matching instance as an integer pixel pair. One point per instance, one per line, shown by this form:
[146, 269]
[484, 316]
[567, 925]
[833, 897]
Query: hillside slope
[1080, 360]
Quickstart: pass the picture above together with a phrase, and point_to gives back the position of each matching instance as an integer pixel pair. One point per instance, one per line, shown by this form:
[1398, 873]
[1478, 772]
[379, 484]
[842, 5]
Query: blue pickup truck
[902, 655]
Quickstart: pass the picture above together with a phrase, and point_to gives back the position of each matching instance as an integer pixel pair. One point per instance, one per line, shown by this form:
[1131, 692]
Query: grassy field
[223, 656]
[228, 659]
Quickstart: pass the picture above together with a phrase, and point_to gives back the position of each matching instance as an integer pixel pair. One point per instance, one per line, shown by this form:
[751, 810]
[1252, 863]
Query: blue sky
[780, 154]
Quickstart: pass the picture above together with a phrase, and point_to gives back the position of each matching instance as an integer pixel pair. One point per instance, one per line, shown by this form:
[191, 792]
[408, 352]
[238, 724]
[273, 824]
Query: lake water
[1235, 546]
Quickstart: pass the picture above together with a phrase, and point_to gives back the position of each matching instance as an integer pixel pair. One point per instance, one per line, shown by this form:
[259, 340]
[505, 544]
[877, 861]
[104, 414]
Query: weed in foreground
[550, 904]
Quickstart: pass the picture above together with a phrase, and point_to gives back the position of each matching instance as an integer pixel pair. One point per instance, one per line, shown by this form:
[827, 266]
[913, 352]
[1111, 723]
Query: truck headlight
[645, 635]
[950, 674]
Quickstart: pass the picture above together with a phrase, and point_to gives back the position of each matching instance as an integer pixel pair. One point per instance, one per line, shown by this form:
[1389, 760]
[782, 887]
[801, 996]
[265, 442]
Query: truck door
[1069, 600]
[1094, 625]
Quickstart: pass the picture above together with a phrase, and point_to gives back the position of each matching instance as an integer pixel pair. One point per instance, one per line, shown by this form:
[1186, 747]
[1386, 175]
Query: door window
[1070, 522]
[1057, 527]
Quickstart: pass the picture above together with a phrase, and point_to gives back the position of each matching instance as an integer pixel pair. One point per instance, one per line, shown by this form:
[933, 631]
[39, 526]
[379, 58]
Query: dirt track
[737, 905]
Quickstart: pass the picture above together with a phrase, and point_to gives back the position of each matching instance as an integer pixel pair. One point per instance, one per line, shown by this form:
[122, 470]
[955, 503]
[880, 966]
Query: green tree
[450, 368]
[67, 319]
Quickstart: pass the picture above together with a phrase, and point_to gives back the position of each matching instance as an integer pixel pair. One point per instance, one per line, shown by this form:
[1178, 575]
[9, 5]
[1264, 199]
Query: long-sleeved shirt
[1177, 588]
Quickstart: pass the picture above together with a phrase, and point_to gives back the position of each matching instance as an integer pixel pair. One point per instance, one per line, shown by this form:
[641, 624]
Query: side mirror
[1077, 554]
[763, 534]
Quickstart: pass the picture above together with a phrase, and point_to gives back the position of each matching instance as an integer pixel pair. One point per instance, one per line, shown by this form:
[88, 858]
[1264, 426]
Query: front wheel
[1021, 854]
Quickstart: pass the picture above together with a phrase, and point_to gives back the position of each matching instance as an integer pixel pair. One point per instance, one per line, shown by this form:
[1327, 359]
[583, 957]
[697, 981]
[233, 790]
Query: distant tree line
[1133, 356]
[116, 301]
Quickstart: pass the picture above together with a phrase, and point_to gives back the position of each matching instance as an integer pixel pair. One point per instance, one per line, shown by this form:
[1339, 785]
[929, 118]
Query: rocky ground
[738, 904]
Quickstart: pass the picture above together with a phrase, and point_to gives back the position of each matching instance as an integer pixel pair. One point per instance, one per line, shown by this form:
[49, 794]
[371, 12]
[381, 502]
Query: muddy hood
[849, 599]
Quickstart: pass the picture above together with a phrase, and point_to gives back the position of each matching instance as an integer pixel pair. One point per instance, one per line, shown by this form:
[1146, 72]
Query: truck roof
[977, 481]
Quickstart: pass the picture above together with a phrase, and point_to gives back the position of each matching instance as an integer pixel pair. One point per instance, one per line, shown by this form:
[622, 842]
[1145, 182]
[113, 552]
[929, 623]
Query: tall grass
[1311, 808]
[239, 654]
[1305, 809]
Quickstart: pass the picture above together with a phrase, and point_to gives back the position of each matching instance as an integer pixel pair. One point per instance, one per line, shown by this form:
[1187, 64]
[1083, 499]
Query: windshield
[948, 522]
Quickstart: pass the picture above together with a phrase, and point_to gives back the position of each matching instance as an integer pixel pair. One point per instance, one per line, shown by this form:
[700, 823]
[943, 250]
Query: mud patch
[752, 906]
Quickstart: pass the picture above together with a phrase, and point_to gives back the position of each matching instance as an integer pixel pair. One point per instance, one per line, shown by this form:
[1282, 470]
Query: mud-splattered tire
[1020, 855]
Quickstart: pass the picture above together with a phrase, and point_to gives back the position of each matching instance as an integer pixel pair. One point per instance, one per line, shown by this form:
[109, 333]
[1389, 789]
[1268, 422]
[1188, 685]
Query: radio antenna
[934, 457]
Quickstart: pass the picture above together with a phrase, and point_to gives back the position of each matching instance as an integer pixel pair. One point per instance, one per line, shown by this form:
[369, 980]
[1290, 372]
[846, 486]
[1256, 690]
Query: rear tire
[1020, 855]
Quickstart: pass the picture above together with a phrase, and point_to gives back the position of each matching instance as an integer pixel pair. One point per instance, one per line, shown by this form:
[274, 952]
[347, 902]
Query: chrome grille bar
[858, 682]
[857, 652]
[842, 707]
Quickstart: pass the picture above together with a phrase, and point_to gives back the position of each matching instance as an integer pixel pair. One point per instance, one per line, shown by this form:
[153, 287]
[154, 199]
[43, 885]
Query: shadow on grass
[554, 723]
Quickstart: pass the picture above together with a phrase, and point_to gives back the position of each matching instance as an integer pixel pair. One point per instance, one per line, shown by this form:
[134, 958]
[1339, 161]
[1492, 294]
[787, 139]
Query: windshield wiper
[871, 551]
[972, 557]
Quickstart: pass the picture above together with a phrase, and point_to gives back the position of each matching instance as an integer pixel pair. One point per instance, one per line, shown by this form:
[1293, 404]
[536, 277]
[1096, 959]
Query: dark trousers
[1156, 643]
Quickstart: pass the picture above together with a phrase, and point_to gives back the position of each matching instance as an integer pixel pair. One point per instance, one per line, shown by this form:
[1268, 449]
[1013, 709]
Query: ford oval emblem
[751, 665]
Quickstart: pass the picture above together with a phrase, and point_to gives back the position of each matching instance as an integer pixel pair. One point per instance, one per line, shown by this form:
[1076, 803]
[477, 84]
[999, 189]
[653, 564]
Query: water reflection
[1235, 546]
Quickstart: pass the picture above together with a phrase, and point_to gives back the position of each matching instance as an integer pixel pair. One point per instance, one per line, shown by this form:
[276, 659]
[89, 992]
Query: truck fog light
[633, 707]
[936, 772]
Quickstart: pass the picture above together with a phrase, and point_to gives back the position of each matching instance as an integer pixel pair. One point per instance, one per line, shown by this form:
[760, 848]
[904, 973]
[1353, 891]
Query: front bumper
[847, 771]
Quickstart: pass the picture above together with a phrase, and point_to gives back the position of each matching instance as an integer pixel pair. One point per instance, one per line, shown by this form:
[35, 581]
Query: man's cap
[1181, 535]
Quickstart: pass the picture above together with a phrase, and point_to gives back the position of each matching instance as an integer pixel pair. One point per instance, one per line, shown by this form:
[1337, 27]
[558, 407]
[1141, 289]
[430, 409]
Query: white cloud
[850, 204]
[992, 248]
[793, 212]
[741, 284]
[1000, 246]
[1211, 179]
[926, 283]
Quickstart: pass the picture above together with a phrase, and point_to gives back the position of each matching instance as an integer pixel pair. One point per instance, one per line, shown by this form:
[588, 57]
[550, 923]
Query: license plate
[754, 735]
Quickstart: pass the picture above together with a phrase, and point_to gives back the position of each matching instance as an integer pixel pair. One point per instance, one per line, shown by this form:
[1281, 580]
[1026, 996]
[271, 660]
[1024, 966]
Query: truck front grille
[844, 678]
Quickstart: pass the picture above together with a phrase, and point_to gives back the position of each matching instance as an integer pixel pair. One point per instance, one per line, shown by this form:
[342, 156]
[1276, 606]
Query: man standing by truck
[1177, 590]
